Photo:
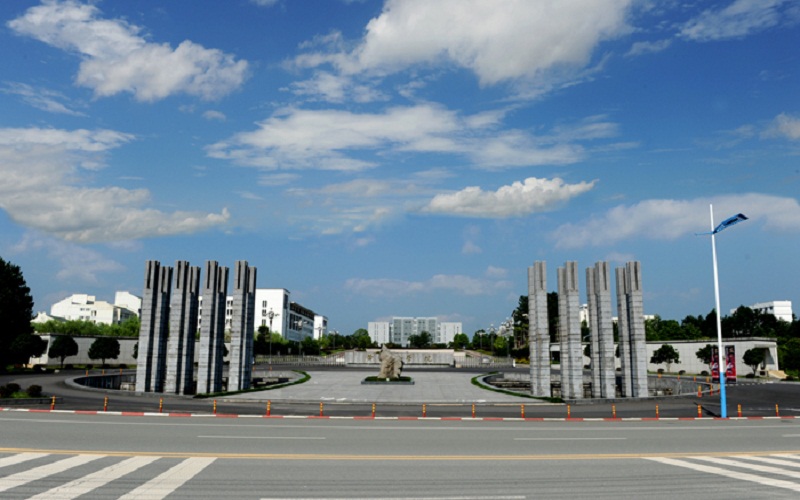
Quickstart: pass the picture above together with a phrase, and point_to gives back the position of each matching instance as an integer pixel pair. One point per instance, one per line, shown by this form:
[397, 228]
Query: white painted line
[754, 467]
[19, 458]
[169, 481]
[773, 461]
[570, 439]
[500, 497]
[38, 473]
[743, 476]
[94, 480]
[263, 437]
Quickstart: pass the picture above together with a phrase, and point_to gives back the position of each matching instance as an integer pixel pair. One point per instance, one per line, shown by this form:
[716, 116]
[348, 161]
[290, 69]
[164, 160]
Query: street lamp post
[271, 315]
[300, 323]
[722, 368]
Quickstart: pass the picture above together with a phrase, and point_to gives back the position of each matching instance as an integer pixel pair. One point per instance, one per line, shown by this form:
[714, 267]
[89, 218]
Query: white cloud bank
[115, 58]
[466, 285]
[40, 189]
[483, 36]
[519, 199]
[738, 19]
[673, 219]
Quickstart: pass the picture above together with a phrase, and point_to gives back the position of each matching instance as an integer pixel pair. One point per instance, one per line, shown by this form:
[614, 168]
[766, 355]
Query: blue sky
[403, 157]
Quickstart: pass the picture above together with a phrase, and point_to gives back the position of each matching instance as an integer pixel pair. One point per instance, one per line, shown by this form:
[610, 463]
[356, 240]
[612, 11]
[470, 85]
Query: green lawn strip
[305, 378]
[476, 382]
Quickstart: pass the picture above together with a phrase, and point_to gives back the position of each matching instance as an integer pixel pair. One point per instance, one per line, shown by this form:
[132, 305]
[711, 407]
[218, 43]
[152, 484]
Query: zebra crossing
[781, 470]
[65, 477]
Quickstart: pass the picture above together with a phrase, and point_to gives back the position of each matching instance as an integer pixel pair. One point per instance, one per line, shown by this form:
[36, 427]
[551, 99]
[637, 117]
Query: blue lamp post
[722, 368]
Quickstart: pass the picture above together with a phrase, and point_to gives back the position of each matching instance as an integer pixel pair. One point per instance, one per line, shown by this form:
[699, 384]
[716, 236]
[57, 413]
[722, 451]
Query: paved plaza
[344, 386]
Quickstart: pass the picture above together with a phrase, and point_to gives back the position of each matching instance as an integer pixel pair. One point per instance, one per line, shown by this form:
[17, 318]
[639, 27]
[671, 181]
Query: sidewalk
[345, 387]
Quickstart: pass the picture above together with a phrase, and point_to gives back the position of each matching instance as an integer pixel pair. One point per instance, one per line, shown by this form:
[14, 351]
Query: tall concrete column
[538, 331]
[605, 330]
[212, 328]
[622, 329]
[570, 328]
[241, 355]
[152, 358]
[183, 326]
[633, 271]
[591, 304]
[148, 321]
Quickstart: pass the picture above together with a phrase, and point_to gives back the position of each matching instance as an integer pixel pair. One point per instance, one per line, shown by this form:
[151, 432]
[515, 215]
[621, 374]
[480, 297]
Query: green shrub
[12, 387]
[4, 392]
[34, 391]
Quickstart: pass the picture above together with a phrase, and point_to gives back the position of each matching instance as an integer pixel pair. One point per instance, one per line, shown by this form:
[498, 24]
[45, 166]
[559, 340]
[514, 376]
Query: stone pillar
[241, 355]
[622, 329]
[570, 331]
[591, 304]
[638, 345]
[183, 326]
[605, 330]
[212, 328]
[152, 355]
[538, 331]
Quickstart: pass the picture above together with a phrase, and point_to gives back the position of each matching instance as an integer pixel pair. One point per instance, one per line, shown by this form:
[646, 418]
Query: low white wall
[409, 356]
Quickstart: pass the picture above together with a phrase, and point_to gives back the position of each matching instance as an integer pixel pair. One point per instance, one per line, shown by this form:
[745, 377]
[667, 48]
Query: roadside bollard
[269, 408]
[699, 392]
[777, 413]
[522, 411]
[424, 410]
[373, 410]
[215, 407]
[321, 405]
[657, 412]
[739, 410]
[569, 411]
[103, 372]
[473, 410]
[613, 411]
[87, 372]
[699, 411]
[53, 403]
[694, 379]
[105, 403]
[160, 405]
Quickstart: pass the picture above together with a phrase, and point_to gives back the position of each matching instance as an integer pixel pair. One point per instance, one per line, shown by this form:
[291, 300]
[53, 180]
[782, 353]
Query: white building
[781, 309]
[83, 307]
[275, 311]
[379, 332]
[399, 329]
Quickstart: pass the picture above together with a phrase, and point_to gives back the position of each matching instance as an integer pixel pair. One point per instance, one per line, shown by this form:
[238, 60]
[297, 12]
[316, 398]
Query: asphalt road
[56, 455]
[759, 399]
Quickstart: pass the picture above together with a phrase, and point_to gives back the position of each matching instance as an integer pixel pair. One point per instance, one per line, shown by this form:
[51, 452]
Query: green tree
[104, 348]
[27, 346]
[460, 341]
[665, 354]
[753, 358]
[704, 355]
[62, 347]
[310, 346]
[16, 311]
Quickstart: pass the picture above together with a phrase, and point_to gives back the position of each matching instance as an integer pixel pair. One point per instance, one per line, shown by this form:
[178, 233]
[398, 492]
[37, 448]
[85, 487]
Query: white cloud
[41, 189]
[466, 285]
[39, 98]
[673, 219]
[265, 3]
[116, 58]
[335, 139]
[326, 86]
[740, 18]
[77, 263]
[484, 36]
[214, 115]
[642, 48]
[784, 126]
[517, 200]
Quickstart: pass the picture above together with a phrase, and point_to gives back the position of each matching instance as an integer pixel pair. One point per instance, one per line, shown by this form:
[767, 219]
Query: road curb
[357, 417]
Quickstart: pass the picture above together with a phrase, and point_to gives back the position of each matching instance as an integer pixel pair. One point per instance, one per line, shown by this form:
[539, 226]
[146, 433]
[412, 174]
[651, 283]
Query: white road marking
[19, 458]
[263, 437]
[754, 467]
[95, 480]
[37, 473]
[743, 476]
[571, 439]
[170, 480]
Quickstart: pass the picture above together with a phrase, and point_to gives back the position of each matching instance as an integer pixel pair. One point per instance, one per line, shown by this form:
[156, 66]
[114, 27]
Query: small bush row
[8, 390]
